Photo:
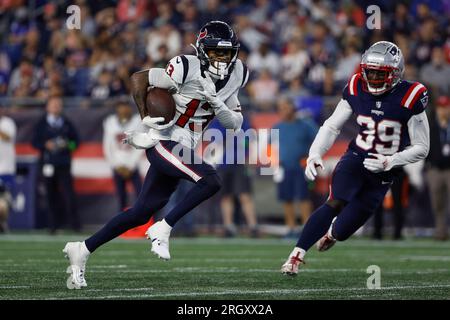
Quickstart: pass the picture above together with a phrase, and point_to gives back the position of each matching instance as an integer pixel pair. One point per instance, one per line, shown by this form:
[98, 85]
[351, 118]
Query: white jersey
[193, 112]
[116, 153]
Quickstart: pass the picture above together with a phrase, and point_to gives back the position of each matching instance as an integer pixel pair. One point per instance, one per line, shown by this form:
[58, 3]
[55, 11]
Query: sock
[316, 226]
[114, 228]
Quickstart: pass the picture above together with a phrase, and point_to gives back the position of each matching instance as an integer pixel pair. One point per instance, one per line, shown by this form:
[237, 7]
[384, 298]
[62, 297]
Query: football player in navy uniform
[204, 86]
[393, 131]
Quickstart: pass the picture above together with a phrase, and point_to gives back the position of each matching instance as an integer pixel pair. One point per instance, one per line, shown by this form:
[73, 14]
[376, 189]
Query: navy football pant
[361, 192]
[169, 163]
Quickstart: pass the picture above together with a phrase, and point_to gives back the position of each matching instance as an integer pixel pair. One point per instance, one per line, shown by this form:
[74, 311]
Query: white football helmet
[382, 67]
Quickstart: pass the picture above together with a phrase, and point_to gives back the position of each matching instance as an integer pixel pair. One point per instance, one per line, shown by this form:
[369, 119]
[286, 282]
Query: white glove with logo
[155, 123]
[379, 163]
[312, 162]
[209, 91]
[139, 140]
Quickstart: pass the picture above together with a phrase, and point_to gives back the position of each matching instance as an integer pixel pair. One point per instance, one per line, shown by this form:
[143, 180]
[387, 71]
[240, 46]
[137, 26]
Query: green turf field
[33, 267]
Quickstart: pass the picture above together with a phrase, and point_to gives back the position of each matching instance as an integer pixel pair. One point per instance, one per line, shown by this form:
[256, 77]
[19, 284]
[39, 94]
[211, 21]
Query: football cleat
[160, 240]
[77, 253]
[326, 242]
[290, 267]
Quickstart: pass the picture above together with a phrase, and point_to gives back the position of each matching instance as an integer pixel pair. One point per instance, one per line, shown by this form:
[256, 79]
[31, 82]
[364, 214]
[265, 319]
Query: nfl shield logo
[378, 104]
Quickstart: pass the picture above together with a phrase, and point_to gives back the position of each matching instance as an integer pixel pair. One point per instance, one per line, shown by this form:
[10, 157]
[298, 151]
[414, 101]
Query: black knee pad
[212, 182]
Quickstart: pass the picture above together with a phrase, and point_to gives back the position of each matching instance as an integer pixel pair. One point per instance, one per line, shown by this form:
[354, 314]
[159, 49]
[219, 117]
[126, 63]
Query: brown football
[160, 103]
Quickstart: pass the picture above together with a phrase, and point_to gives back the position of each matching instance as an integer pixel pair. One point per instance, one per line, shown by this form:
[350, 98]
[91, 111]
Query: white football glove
[154, 123]
[139, 140]
[312, 162]
[379, 163]
[209, 90]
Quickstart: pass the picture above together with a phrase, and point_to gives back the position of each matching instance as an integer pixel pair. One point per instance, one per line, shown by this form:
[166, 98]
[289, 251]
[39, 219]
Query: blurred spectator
[321, 33]
[25, 77]
[296, 135]
[122, 158]
[236, 182]
[166, 15]
[436, 74]
[428, 39]
[7, 166]
[286, 21]
[264, 58]
[320, 70]
[438, 165]
[401, 21]
[102, 87]
[3, 84]
[214, 10]
[56, 138]
[264, 90]
[249, 35]
[76, 78]
[131, 10]
[165, 35]
[294, 62]
[189, 21]
[348, 64]
[5, 207]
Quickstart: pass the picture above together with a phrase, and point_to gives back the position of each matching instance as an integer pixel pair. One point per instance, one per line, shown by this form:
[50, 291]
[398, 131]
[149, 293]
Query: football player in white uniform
[203, 86]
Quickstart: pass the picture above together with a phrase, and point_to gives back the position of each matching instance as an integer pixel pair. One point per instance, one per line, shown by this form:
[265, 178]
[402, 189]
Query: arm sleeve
[229, 114]
[330, 129]
[419, 134]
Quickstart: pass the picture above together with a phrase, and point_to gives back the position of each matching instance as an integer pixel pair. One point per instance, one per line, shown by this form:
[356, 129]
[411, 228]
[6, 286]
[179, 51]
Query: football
[160, 103]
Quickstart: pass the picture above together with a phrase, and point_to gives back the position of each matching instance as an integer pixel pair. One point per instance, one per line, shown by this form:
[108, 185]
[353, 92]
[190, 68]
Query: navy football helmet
[217, 48]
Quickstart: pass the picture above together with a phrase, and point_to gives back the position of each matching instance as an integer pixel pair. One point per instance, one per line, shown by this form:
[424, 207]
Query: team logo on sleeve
[424, 100]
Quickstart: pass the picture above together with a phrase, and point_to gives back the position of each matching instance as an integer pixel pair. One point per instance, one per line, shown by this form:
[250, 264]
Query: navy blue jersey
[383, 119]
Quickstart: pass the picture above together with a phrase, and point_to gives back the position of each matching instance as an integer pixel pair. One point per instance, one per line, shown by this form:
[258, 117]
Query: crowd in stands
[296, 47]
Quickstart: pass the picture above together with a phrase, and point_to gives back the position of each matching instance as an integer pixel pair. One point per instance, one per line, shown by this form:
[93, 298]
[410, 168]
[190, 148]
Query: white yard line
[259, 292]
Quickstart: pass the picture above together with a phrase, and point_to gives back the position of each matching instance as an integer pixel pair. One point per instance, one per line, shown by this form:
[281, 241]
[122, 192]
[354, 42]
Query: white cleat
[160, 240]
[327, 241]
[290, 267]
[77, 253]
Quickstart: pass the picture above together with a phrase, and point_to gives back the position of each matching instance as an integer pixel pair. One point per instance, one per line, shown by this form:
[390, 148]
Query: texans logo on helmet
[202, 34]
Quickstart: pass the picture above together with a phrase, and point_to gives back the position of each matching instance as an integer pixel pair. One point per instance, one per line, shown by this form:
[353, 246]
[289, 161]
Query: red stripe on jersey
[408, 93]
[413, 102]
